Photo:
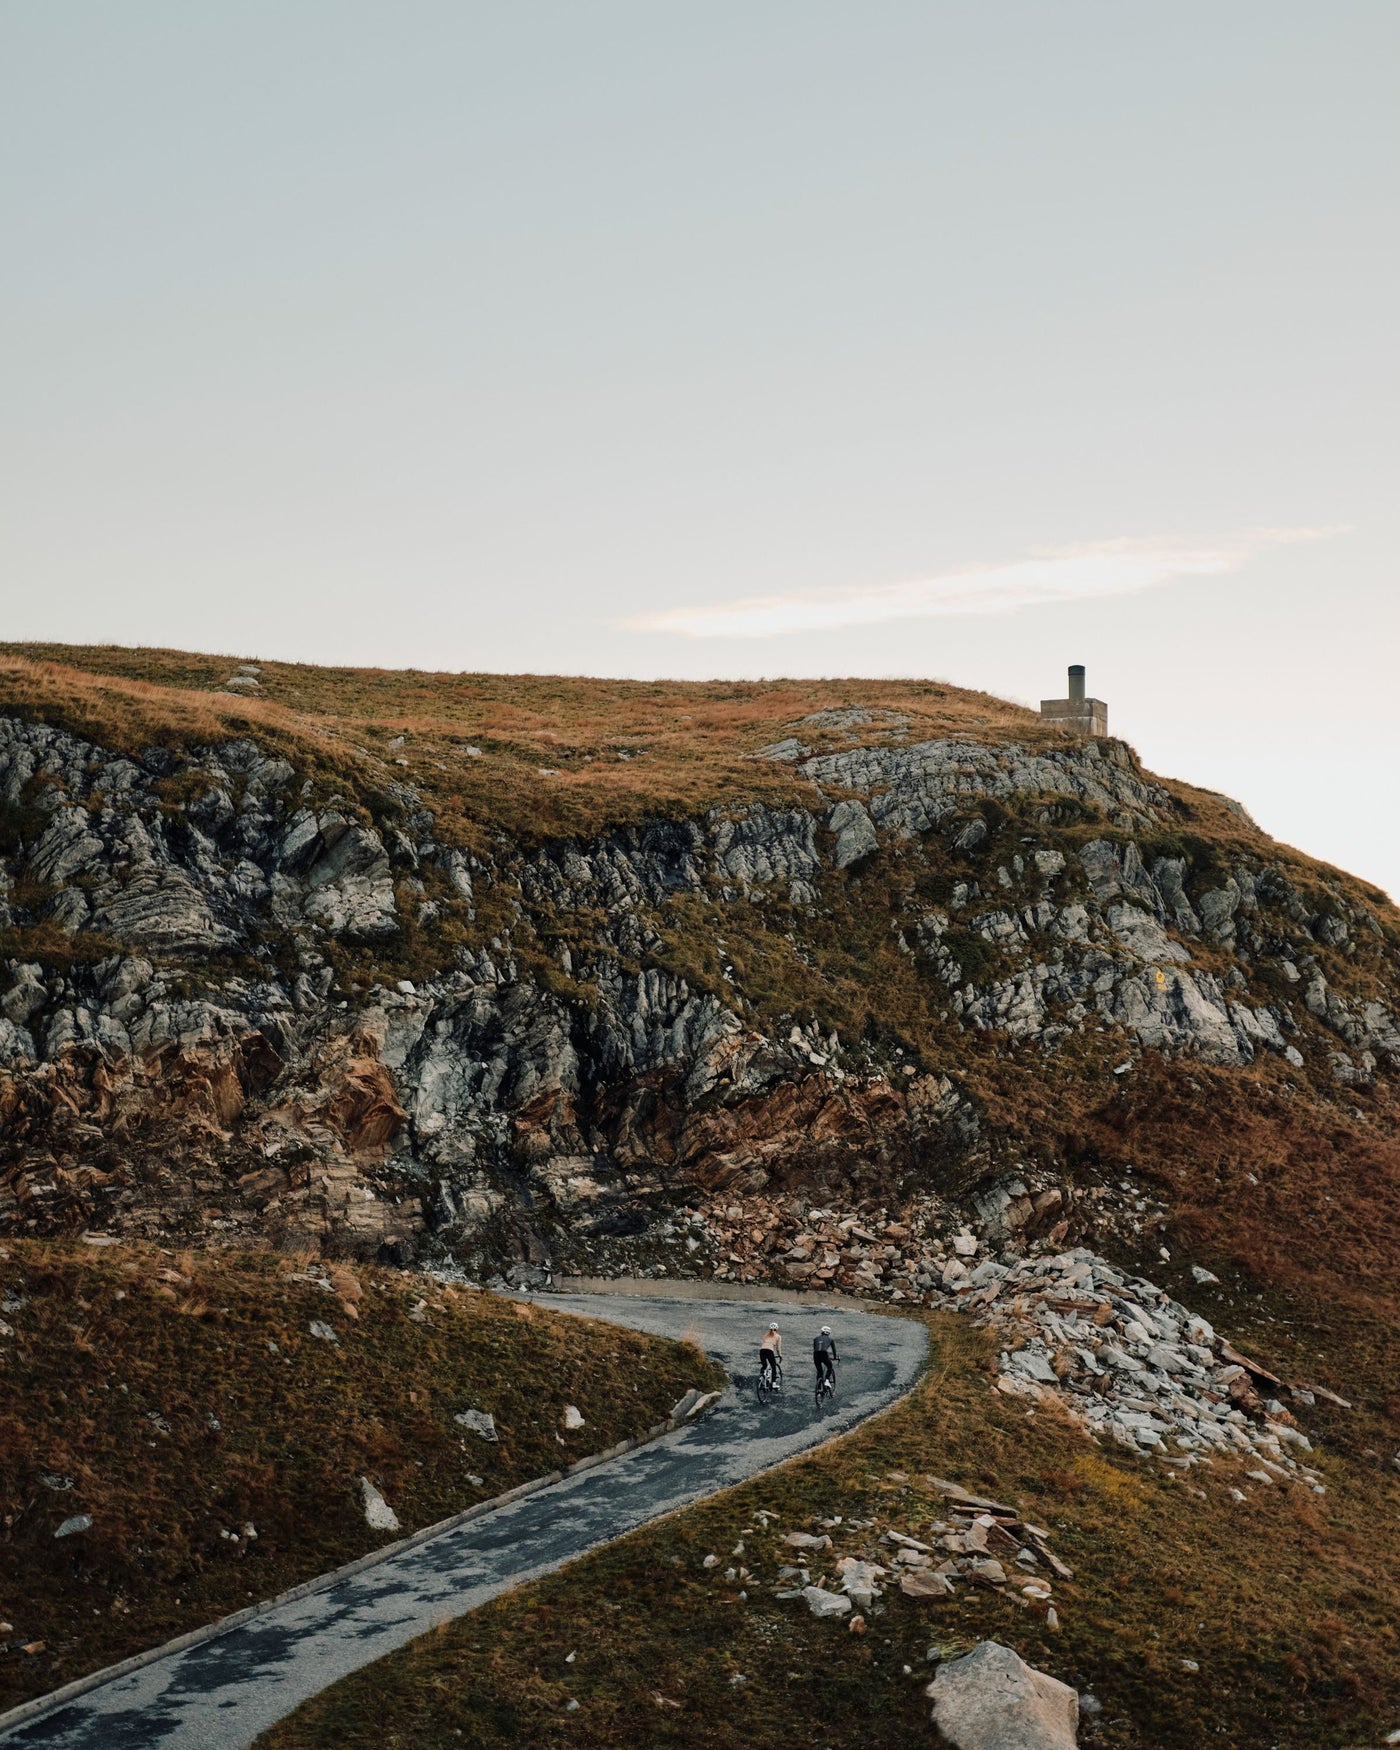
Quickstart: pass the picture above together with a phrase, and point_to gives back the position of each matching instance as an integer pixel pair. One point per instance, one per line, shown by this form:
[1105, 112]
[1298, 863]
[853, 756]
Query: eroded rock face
[993, 1700]
[208, 1063]
[915, 788]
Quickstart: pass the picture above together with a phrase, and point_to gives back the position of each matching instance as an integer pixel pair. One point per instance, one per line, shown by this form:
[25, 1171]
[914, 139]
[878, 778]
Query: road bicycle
[826, 1384]
[769, 1383]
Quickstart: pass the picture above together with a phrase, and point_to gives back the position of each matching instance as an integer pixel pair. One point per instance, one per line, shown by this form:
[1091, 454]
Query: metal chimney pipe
[1076, 683]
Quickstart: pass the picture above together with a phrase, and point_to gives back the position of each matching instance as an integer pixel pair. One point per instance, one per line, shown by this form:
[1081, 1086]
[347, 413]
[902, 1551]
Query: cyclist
[770, 1356]
[824, 1357]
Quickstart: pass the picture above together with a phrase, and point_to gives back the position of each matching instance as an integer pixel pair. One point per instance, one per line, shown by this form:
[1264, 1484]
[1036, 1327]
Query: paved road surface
[221, 1694]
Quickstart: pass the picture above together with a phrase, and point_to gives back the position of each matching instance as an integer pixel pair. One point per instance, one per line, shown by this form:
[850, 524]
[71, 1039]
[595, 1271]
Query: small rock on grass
[573, 1417]
[860, 1581]
[70, 1527]
[379, 1515]
[822, 1603]
[480, 1422]
[923, 1583]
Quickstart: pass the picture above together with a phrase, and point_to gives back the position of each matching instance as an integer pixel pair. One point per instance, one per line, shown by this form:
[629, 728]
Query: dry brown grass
[688, 744]
[615, 750]
[1300, 1192]
[143, 1388]
[1285, 1601]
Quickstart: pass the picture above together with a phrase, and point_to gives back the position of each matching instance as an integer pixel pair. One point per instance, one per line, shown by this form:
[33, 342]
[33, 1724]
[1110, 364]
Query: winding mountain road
[221, 1693]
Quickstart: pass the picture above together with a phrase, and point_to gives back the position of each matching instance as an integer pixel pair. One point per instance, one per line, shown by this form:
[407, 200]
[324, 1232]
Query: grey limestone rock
[992, 1700]
[855, 833]
[16, 1045]
[1115, 870]
[1168, 874]
[1171, 1010]
[1141, 934]
[913, 788]
[379, 1515]
[26, 994]
[504, 1075]
[766, 846]
[826, 1604]
[1218, 908]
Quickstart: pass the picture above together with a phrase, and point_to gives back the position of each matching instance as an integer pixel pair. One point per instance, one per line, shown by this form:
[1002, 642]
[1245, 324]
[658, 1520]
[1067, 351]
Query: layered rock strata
[205, 1019]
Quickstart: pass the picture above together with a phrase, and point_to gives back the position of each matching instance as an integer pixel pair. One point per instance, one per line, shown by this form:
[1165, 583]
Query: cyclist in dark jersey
[824, 1356]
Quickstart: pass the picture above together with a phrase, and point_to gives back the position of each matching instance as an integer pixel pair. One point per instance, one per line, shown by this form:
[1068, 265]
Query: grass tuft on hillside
[177, 1400]
[1283, 1600]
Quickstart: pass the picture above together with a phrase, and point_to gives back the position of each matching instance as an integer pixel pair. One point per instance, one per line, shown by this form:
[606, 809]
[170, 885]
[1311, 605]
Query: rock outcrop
[240, 999]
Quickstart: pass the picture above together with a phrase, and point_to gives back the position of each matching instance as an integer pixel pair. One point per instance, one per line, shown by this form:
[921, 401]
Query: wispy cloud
[1066, 574]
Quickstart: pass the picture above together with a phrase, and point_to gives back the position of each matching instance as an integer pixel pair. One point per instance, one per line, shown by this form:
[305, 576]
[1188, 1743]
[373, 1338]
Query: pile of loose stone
[1130, 1363]
[1118, 1353]
[980, 1542]
[786, 1241]
[1122, 1357]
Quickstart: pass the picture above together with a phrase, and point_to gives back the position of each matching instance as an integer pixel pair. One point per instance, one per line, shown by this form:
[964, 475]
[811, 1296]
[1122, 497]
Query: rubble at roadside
[1116, 1352]
[1134, 1365]
[842, 1568]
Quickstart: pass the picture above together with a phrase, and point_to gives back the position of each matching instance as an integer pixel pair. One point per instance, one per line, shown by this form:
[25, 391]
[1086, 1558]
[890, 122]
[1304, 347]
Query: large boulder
[993, 1700]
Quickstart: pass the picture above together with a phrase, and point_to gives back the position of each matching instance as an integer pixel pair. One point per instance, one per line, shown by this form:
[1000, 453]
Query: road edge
[40, 1705]
[36, 1708]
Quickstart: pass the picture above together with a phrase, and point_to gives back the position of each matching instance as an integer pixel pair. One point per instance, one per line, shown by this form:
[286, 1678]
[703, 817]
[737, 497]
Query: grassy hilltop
[636, 977]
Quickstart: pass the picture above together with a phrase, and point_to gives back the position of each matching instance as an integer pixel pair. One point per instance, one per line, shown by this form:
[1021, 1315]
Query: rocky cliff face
[235, 999]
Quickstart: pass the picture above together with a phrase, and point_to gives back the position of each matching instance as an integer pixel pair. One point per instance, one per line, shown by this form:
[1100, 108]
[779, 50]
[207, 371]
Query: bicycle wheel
[763, 1388]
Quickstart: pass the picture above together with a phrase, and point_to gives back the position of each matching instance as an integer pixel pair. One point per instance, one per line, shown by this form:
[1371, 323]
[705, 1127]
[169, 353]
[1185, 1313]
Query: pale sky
[746, 339]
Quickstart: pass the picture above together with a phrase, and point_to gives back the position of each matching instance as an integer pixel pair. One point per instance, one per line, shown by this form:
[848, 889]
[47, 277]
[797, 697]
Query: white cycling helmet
[826, 1330]
[772, 1327]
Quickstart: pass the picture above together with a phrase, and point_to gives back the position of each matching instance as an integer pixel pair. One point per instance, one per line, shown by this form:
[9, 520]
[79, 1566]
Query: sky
[949, 340]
